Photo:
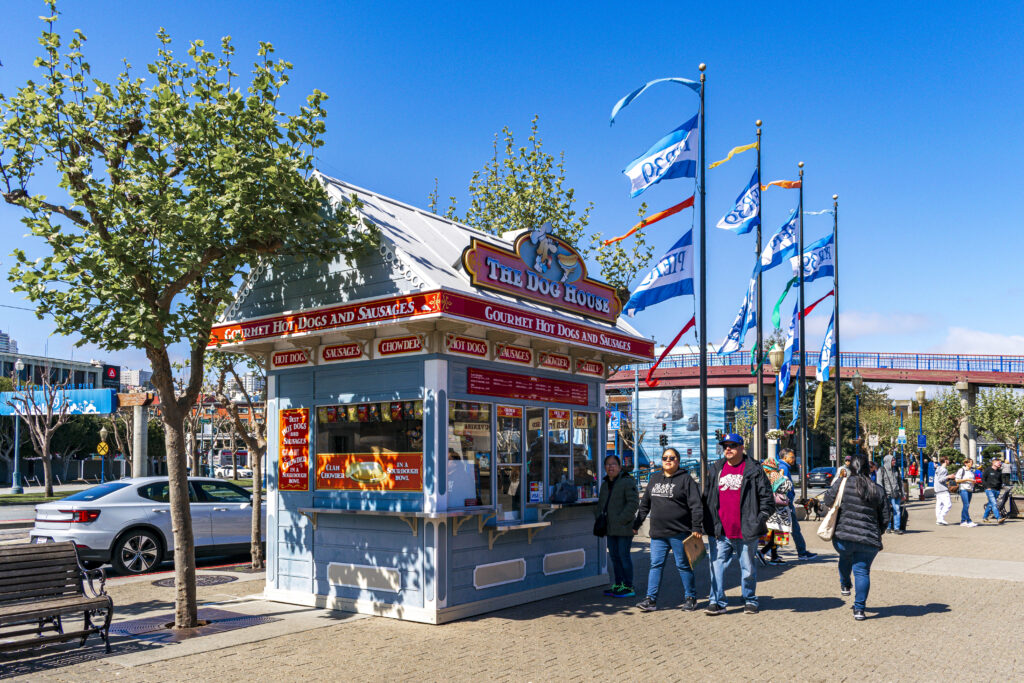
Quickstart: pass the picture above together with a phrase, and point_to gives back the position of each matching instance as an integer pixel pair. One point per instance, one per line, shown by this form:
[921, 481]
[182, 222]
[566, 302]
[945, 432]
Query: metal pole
[703, 293]
[901, 445]
[835, 326]
[802, 387]
[636, 423]
[920, 430]
[856, 439]
[762, 443]
[16, 477]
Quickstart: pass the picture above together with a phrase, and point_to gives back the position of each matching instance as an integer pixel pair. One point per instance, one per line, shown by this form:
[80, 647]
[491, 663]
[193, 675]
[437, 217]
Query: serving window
[585, 453]
[509, 448]
[469, 453]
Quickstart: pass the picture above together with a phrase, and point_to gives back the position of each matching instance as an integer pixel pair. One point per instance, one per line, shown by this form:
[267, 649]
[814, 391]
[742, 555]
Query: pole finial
[800, 164]
[835, 197]
[702, 66]
[758, 123]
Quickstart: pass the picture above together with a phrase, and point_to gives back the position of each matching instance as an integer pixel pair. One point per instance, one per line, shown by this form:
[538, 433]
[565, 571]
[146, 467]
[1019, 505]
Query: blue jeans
[855, 557]
[659, 552]
[992, 504]
[965, 516]
[894, 523]
[622, 563]
[798, 536]
[722, 551]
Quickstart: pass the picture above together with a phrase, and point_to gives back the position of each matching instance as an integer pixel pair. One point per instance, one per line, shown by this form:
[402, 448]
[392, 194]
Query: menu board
[293, 459]
[369, 471]
[525, 387]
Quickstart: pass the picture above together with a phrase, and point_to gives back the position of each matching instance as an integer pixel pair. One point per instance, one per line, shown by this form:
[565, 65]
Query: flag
[654, 218]
[817, 403]
[818, 260]
[782, 245]
[621, 104]
[734, 151]
[785, 184]
[746, 215]
[792, 344]
[653, 382]
[819, 213]
[828, 349]
[671, 276]
[776, 316]
[796, 407]
[673, 156]
[745, 319]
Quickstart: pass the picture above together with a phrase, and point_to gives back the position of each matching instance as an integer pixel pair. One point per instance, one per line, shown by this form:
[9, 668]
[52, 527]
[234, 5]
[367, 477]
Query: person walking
[942, 501]
[619, 501]
[787, 462]
[673, 501]
[862, 516]
[912, 472]
[780, 524]
[738, 504]
[889, 479]
[992, 480]
[965, 480]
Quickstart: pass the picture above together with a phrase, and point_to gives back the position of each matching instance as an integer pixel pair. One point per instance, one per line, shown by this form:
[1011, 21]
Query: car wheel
[136, 552]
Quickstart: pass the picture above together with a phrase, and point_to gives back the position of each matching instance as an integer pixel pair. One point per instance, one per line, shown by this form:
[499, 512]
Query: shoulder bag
[601, 523]
[828, 525]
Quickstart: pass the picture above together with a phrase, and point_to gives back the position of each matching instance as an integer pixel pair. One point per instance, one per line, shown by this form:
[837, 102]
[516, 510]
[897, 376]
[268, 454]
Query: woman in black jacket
[861, 518]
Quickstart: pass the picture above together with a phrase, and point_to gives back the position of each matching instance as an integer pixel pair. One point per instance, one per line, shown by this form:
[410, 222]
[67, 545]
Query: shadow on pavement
[801, 604]
[48, 658]
[910, 610]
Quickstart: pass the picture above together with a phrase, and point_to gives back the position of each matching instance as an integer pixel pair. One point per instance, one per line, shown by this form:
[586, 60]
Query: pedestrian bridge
[734, 369]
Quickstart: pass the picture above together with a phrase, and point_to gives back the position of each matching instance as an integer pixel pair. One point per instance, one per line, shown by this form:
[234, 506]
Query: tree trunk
[234, 457]
[256, 540]
[185, 608]
[47, 468]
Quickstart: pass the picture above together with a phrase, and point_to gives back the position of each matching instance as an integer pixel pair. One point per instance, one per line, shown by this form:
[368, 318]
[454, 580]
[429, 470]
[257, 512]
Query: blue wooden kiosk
[436, 416]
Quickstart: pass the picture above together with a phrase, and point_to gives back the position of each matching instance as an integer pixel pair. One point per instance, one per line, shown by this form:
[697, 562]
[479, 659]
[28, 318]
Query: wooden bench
[41, 583]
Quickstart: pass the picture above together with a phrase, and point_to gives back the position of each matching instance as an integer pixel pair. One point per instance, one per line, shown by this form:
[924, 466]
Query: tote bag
[828, 525]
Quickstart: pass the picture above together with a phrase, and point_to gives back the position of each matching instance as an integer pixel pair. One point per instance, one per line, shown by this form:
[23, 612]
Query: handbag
[601, 523]
[828, 525]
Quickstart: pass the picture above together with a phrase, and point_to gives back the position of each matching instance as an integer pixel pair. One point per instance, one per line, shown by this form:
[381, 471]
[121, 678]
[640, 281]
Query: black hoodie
[674, 504]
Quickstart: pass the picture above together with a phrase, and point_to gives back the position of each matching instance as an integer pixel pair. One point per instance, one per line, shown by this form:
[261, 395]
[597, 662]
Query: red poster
[526, 387]
[515, 354]
[590, 367]
[510, 411]
[369, 471]
[293, 450]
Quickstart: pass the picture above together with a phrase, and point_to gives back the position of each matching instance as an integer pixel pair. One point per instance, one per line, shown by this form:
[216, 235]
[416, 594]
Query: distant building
[253, 384]
[78, 374]
[7, 345]
[136, 379]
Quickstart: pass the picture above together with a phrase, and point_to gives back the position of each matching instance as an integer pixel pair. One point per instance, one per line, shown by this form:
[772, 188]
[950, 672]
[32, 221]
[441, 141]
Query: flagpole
[835, 323]
[759, 395]
[802, 387]
[703, 334]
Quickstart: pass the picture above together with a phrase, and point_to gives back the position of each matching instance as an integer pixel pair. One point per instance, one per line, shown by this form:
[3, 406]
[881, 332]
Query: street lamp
[858, 384]
[103, 456]
[16, 478]
[776, 356]
[920, 430]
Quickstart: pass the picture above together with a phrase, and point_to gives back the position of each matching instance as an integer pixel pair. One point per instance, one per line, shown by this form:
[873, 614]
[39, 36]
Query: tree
[44, 409]
[169, 190]
[253, 433]
[745, 421]
[999, 413]
[619, 265]
[943, 415]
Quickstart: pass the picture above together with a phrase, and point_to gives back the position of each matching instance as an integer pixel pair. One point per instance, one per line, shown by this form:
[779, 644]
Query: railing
[858, 359]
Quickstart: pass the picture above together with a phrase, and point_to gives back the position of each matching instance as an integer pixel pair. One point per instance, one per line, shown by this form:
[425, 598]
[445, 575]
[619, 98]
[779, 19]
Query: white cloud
[853, 324]
[963, 340]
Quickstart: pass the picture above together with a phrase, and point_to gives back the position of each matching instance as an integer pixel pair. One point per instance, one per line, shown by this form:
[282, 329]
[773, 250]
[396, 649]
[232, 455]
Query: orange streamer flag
[785, 184]
[685, 204]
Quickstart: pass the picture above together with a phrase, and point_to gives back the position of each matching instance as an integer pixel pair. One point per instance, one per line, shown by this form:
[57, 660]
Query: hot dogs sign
[543, 268]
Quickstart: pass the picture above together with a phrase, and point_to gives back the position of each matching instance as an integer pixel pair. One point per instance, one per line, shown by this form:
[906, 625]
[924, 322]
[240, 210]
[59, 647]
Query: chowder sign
[542, 268]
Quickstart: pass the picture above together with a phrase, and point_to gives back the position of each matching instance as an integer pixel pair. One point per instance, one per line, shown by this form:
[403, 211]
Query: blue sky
[909, 111]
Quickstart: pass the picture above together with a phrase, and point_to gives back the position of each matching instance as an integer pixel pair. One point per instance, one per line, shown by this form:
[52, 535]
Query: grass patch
[31, 498]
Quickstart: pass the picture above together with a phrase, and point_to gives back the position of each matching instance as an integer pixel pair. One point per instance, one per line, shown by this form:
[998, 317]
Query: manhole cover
[201, 580]
[154, 629]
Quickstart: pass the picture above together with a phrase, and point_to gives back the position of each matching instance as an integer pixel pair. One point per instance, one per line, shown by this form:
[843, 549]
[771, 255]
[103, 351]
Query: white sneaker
[971, 524]
[942, 522]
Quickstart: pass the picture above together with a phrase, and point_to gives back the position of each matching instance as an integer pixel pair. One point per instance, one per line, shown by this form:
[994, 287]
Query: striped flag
[782, 245]
[818, 260]
[672, 276]
[745, 319]
[673, 156]
[746, 214]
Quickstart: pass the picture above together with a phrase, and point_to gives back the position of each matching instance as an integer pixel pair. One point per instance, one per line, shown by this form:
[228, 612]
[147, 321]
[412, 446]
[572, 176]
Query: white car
[128, 522]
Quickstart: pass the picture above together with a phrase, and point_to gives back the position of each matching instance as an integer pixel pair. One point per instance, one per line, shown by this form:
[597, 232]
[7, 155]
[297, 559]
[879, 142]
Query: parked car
[821, 476]
[128, 522]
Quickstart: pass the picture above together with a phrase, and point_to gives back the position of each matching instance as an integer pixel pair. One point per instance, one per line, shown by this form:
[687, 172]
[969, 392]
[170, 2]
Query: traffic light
[663, 440]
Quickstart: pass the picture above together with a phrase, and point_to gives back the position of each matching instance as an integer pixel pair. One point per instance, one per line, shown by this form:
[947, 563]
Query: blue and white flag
[828, 350]
[746, 215]
[818, 260]
[792, 344]
[621, 104]
[796, 408]
[782, 245]
[671, 276]
[673, 156]
[745, 319]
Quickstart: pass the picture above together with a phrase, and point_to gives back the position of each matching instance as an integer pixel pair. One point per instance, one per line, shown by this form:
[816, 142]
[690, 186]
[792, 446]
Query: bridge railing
[858, 359]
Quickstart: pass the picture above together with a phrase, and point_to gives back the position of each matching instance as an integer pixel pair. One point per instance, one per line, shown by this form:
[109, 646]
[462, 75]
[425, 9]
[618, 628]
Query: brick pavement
[805, 631]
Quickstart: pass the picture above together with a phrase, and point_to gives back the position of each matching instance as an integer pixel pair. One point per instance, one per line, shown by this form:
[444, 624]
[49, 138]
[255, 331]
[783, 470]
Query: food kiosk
[436, 416]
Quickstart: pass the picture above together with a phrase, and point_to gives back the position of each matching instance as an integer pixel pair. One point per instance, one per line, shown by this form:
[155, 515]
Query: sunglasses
[730, 445]
[670, 459]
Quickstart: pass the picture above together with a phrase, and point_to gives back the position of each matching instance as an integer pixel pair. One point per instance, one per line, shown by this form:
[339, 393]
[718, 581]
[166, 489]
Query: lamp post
[16, 478]
[920, 430]
[103, 456]
[776, 357]
[858, 384]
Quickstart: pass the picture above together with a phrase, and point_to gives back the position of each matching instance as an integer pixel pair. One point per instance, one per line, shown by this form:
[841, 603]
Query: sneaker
[750, 608]
[859, 615]
[624, 591]
[611, 590]
[647, 605]
[898, 532]
[970, 524]
[941, 523]
[1000, 520]
[689, 604]
[714, 609]
[808, 556]
[776, 562]
[843, 590]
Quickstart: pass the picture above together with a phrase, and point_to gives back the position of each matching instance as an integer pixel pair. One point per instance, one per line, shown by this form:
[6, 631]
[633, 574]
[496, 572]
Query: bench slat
[60, 581]
[19, 550]
[21, 613]
[19, 575]
[54, 592]
[31, 565]
[34, 642]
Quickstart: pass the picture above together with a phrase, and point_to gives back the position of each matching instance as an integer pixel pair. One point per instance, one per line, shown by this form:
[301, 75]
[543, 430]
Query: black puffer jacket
[860, 520]
[992, 479]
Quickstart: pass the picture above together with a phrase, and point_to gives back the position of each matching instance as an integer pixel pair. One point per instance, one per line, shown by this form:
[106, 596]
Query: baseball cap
[731, 438]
